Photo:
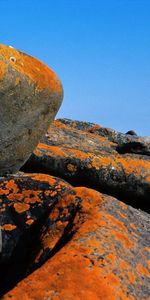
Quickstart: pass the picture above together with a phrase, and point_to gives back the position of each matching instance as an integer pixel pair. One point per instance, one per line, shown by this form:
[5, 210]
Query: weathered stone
[27, 202]
[30, 96]
[107, 256]
[131, 132]
[125, 143]
[83, 157]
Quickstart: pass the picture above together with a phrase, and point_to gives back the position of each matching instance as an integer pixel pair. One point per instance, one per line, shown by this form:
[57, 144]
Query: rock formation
[30, 96]
[75, 219]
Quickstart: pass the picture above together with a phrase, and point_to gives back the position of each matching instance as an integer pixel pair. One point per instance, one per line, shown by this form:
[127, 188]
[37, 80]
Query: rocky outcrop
[30, 96]
[74, 221]
[64, 240]
[86, 154]
[96, 246]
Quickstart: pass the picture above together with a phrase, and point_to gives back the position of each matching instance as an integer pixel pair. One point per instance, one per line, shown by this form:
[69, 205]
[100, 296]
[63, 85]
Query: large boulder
[99, 248]
[30, 96]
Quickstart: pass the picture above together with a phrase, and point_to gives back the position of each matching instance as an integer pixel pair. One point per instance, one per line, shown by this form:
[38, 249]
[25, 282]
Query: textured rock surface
[104, 254]
[26, 208]
[30, 95]
[84, 154]
[62, 242]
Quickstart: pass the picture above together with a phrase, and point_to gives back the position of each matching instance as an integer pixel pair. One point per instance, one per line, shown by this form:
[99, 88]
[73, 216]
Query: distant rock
[131, 132]
[30, 96]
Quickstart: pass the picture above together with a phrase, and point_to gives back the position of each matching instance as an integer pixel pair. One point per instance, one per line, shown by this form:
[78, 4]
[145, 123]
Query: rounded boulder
[30, 96]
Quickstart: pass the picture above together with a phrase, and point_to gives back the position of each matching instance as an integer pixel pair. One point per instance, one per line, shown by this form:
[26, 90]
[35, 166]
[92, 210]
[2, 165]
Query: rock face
[98, 247]
[71, 239]
[87, 154]
[30, 96]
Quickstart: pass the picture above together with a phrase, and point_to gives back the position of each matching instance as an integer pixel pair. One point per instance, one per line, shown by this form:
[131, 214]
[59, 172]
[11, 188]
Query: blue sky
[99, 49]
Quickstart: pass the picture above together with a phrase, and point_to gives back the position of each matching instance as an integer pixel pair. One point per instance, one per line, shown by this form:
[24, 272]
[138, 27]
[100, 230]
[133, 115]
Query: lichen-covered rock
[107, 256]
[27, 202]
[24, 201]
[125, 143]
[30, 96]
[64, 242]
[76, 153]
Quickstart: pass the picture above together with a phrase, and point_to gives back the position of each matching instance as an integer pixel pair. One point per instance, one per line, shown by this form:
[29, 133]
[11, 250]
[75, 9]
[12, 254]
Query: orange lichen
[71, 129]
[4, 191]
[17, 80]
[131, 277]
[9, 227]
[118, 223]
[21, 207]
[51, 150]
[30, 221]
[11, 185]
[124, 239]
[3, 69]
[141, 269]
[93, 128]
[42, 177]
[133, 226]
[106, 161]
[15, 196]
[134, 166]
[31, 67]
[91, 265]
[71, 168]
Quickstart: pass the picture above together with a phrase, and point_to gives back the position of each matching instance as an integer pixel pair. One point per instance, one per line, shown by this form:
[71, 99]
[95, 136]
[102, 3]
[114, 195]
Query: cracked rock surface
[75, 221]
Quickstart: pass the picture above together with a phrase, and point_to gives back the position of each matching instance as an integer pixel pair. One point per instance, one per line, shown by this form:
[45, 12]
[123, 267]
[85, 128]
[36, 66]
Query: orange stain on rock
[71, 168]
[30, 221]
[9, 227]
[15, 196]
[133, 226]
[124, 239]
[11, 185]
[21, 207]
[132, 277]
[51, 150]
[37, 72]
[42, 177]
[141, 269]
[3, 69]
[118, 223]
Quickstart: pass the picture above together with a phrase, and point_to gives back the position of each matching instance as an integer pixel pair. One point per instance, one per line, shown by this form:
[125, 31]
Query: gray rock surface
[30, 96]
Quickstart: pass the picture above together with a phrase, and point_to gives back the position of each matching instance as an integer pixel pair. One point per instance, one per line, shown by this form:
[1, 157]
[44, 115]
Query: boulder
[79, 153]
[30, 96]
[102, 253]
[27, 202]
[125, 143]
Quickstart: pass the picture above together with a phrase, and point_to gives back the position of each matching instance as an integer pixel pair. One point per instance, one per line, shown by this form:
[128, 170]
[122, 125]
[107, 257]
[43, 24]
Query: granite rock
[97, 248]
[82, 155]
[30, 96]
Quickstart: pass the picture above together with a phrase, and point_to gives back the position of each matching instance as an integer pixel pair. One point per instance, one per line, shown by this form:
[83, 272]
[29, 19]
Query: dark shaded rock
[30, 96]
[131, 132]
[86, 158]
[25, 204]
[107, 257]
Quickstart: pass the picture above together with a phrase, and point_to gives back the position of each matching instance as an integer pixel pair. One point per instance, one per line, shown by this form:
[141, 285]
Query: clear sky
[99, 49]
